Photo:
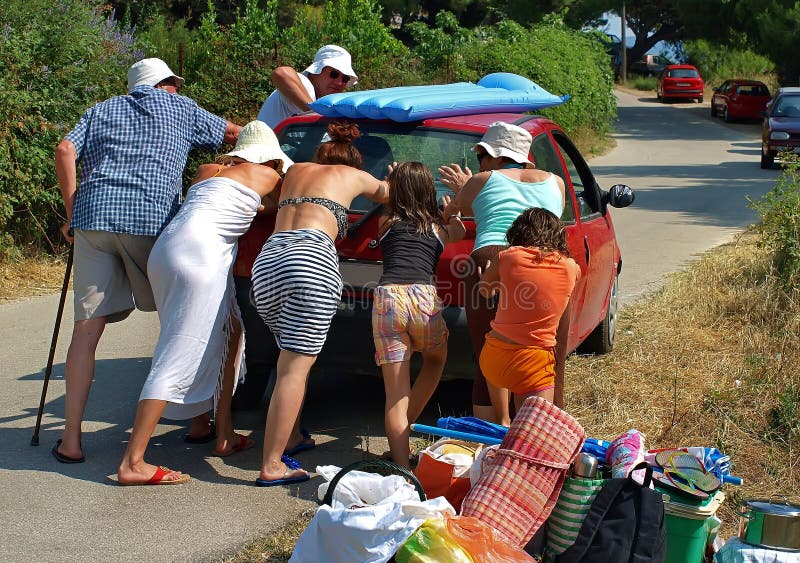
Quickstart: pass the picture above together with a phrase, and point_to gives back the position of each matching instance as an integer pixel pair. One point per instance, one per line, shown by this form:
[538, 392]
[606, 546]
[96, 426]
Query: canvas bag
[444, 473]
[624, 523]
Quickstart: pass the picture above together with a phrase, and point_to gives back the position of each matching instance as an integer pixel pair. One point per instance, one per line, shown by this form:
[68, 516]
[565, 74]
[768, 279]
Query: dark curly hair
[540, 228]
[412, 196]
[340, 149]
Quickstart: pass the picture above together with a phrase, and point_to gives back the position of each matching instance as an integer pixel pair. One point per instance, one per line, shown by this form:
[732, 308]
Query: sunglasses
[335, 74]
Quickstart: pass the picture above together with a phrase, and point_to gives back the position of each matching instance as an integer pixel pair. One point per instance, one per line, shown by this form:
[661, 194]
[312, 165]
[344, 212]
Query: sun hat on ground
[149, 72]
[257, 143]
[505, 139]
[334, 57]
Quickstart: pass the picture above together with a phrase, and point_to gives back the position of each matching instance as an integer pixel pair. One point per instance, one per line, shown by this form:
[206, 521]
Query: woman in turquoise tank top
[505, 186]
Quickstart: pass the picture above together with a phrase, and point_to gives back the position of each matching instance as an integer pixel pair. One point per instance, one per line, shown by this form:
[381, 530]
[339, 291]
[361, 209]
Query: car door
[597, 247]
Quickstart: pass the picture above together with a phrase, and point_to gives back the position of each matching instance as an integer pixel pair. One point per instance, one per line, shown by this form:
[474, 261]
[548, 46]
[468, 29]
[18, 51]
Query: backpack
[625, 523]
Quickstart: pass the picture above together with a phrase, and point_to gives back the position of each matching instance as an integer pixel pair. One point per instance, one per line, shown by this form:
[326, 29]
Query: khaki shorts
[110, 275]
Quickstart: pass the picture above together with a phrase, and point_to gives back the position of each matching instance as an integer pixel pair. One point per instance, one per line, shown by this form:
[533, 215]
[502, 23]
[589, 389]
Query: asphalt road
[691, 175]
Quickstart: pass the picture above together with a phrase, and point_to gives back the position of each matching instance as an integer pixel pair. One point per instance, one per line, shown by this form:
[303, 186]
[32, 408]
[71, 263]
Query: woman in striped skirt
[296, 280]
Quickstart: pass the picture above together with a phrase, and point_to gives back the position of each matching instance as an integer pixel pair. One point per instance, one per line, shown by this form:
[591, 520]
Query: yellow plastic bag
[432, 543]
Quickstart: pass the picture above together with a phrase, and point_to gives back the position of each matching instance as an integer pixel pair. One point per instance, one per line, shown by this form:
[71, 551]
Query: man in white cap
[330, 73]
[132, 150]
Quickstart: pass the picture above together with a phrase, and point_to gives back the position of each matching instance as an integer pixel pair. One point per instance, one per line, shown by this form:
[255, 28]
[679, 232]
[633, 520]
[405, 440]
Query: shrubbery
[780, 223]
[59, 59]
[56, 60]
[718, 63]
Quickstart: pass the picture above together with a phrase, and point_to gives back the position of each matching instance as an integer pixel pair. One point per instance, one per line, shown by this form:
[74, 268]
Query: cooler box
[690, 525]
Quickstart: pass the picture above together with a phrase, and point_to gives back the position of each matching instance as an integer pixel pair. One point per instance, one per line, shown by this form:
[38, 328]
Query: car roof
[789, 90]
[475, 123]
[679, 66]
[744, 82]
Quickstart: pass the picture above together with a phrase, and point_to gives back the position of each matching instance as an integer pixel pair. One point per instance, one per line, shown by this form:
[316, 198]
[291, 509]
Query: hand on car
[454, 177]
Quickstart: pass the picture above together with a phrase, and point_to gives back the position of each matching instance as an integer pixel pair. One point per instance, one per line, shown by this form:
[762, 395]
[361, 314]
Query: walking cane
[49, 369]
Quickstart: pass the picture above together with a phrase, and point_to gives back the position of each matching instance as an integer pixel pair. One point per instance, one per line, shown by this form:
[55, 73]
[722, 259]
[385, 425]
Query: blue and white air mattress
[494, 93]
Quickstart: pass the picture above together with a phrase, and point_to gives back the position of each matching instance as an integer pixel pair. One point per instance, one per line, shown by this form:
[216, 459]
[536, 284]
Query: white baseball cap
[334, 57]
[505, 139]
[257, 143]
[149, 72]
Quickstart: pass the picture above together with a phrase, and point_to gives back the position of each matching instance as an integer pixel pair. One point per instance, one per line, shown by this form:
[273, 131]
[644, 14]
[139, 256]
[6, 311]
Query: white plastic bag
[359, 488]
[370, 518]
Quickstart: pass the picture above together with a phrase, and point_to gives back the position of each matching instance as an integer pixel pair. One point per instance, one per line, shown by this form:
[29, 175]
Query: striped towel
[567, 517]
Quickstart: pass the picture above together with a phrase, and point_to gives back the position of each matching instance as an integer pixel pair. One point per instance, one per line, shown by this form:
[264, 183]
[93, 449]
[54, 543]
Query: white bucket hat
[511, 141]
[257, 143]
[149, 72]
[334, 57]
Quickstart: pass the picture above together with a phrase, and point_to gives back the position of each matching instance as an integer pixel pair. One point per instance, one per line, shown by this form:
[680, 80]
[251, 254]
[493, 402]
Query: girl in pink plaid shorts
[407, 312]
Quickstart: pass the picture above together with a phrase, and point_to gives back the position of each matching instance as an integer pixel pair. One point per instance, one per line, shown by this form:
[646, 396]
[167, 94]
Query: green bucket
[690, 526]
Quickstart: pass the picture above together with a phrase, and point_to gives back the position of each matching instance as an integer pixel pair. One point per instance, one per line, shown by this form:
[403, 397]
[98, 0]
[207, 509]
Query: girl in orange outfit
[535, 277]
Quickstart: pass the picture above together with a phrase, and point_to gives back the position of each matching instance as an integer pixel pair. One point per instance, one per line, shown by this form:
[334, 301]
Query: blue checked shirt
[133, 150]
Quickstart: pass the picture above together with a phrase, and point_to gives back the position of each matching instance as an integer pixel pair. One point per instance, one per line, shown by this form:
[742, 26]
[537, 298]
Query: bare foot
[70, 448]
[145, 473]
[279, 470]
[201, 428]
[232, 444]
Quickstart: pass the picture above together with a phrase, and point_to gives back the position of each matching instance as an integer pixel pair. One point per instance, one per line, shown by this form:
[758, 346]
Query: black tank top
[409, 256]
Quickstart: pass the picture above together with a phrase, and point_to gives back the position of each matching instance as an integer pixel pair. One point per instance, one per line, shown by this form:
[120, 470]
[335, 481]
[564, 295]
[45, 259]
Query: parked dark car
[680, 82]
[740, 99]
[780, 130]
[590, 234]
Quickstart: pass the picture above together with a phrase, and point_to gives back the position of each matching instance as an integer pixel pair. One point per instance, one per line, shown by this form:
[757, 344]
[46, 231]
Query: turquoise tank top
[502, 199]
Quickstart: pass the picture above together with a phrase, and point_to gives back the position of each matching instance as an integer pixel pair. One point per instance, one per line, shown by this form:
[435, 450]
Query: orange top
[533, 295]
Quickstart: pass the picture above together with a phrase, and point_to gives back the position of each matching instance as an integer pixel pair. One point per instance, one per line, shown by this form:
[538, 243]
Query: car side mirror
[620, 195]
[716, 88]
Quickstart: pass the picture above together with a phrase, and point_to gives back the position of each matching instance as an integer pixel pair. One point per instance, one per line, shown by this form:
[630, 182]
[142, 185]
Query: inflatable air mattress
[494, 93]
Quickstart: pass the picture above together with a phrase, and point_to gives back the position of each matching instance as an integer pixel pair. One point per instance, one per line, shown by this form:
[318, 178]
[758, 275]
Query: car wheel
[725, 115]
[767, 160]
[700, 100]
[601, 340]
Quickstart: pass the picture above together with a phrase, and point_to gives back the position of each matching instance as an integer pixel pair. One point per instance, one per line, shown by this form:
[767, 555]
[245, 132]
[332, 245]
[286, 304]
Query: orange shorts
[521, 369]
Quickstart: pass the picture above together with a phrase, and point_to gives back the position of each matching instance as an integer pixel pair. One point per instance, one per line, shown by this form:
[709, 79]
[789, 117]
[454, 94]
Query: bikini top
[339, 211]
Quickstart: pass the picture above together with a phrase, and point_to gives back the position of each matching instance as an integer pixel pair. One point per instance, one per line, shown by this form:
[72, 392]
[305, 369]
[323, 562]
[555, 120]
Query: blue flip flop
[291, 465]
[301, 447]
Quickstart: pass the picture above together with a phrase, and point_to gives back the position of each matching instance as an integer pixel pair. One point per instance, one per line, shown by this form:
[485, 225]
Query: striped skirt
[297, 288]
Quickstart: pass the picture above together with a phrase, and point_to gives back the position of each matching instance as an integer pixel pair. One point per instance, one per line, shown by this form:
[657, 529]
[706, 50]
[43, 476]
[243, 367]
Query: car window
[382, 143]
[753, 90]
[725, 87]
[586, 189]
[545, 158]
[683, 73]
[787, 106]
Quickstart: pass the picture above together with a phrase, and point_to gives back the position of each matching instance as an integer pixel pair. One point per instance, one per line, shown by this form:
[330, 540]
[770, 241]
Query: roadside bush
[56, 60]
[780, 223]
[718, 63]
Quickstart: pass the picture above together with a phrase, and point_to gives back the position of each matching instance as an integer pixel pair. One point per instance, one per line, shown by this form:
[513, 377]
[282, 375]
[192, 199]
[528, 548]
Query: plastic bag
[359, 488]
[432, 543]
[482, 543]
[444, 467]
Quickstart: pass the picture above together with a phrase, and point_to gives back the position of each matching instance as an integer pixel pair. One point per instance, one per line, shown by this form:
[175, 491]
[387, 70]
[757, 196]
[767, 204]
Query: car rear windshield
[752, 90]
[683, 73]
[382, 143]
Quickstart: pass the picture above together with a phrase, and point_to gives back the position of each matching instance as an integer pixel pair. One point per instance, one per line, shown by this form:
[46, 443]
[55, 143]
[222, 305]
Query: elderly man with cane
[132, 150]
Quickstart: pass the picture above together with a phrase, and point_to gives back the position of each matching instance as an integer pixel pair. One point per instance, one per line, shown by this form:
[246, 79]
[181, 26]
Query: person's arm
[231, 132]
[66, 172]
[562, 337]
[287, 82]
[489, 280]
[454, 228]
[374, 189]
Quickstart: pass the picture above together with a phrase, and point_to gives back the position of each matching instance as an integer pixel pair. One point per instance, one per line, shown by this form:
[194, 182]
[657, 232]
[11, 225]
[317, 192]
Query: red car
[680, 82]
[740, 99]
[590, 233]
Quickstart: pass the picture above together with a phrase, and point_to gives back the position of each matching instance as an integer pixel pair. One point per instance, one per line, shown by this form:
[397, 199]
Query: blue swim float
[494, 93]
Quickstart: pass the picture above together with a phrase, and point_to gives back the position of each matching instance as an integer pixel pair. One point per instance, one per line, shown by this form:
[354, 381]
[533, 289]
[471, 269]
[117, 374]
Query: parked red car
[780, 131]
[740, 99]
[680, 82]
[590, 234]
